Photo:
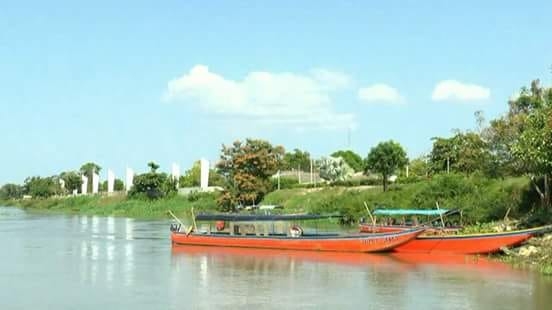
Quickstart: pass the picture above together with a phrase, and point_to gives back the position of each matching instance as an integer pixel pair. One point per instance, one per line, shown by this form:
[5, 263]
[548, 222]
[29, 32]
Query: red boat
[258, 231]
[469, 244]
[444, 240]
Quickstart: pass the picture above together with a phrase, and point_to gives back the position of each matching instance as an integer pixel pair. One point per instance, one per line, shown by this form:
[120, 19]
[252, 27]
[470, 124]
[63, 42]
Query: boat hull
[362, 243]
[468, 244]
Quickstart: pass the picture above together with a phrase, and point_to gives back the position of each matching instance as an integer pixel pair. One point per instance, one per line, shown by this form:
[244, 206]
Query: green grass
[482, 200]
[119, 206]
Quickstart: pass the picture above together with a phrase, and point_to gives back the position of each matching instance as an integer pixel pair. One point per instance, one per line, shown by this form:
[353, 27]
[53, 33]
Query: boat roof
[260, 217]
[410, 212]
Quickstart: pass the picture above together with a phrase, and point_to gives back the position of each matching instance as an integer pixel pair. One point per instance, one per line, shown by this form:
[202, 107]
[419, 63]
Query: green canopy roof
[409, 212]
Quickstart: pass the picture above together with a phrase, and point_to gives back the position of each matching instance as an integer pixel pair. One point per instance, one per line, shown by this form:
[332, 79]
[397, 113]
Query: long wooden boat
[465, 244]
[257, 236]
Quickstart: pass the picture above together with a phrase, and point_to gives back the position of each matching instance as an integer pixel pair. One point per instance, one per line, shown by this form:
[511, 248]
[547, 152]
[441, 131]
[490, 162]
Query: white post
[95, 183]
[110, 181]
[407, 171]
[278, 179]
[129, 179]
[204, 179]
[175, 173]
[84, 186]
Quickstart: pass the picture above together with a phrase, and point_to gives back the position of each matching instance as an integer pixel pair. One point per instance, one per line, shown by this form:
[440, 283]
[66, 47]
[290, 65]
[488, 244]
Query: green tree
[386, 158]
[534, 146]
[118, 185]
[11, 191]
[152, 185]
[39, 187]
[88, 169]
[191, 177]
[351, 158]
[72, 179]
[247, 168]
[464, 152]
[418, 167]
[296, 160]
[334, 169]
[503, 133]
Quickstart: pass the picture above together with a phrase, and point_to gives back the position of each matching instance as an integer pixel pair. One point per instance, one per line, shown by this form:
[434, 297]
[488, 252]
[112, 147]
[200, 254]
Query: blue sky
[125, 82]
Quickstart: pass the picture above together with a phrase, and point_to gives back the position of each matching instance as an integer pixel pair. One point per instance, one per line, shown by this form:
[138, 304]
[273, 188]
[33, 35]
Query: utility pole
[448, 165]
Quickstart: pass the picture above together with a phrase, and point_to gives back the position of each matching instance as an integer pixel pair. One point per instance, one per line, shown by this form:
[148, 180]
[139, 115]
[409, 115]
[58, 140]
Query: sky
[122, 83]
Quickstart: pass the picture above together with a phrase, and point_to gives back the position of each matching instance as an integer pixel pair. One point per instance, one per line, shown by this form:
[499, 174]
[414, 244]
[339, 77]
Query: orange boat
[469, 244]
[444, 240]
[258, 231]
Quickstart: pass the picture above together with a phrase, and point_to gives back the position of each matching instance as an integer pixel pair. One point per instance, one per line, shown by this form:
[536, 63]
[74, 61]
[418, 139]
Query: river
[89, 262]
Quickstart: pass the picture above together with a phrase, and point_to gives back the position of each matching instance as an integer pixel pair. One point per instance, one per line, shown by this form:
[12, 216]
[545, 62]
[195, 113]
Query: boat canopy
[260, 217]
[410, 212]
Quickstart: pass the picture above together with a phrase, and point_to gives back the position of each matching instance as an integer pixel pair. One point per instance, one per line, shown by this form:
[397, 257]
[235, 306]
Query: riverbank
[535, 253]
[119, 206]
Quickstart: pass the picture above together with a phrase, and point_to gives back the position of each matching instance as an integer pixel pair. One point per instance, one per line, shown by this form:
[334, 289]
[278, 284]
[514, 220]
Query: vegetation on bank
[120, 205]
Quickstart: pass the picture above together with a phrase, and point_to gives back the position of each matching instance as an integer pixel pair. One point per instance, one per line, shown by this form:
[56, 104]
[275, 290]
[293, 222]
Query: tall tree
[351, 158]
[72, 179]
[191, 177]
[39, 187]
[247, 168]
[419, 166]
[88, 169]
[386, 158]
[504, 132]
[464, 152]
[534, 145]
[152, 184]
[296, 160]
[11, 191]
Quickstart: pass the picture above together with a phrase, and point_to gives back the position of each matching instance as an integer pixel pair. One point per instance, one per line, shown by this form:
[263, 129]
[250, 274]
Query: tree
[418, 167]
[118, 185]
[152, 185]
[534, 145]
[464, 152]
[351, 158]
[504, 132]
[11, 191]
[334, 169]
[72, 179]
[191, 177]
[39, 187]
[386, 158]
[297, 160]
[88, 170]
[247, 168]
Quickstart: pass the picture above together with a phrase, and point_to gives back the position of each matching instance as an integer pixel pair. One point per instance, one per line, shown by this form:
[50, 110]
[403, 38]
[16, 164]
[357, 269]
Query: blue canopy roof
[409, 212]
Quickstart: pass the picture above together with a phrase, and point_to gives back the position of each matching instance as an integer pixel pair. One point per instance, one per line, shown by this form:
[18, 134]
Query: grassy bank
[482, 200]
[119, 206]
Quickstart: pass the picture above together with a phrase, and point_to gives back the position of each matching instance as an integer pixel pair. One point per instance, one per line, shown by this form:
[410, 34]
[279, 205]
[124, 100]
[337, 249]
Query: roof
[259, 217]
[409, 212]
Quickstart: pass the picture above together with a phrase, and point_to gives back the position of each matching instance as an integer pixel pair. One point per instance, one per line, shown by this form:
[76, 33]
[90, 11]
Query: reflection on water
[90, 262]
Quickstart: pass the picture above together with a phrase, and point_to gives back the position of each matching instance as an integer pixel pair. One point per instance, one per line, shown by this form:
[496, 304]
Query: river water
[88, 262]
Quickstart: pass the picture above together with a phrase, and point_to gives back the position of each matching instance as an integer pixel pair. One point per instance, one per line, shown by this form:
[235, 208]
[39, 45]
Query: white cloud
[381, 93]
[455, 90]
[280, 98]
